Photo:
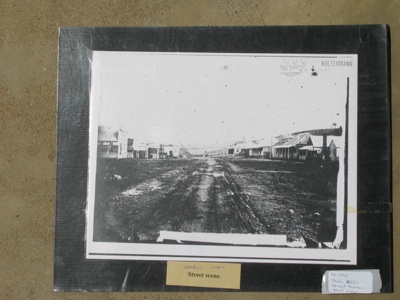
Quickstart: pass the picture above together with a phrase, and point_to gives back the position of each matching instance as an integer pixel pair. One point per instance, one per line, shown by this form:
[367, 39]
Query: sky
[215, 99]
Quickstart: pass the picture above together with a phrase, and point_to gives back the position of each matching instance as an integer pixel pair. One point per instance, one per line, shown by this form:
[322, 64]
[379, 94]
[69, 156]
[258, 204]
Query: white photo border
[259, 254]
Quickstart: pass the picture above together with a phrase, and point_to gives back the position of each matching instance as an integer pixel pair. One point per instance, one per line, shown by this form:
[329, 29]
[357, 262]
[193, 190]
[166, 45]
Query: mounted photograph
[231, 157]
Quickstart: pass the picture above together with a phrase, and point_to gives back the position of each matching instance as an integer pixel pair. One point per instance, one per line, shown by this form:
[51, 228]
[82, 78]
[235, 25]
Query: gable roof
[248, 145]
[300, 139]
[264, 143]
[337, 140]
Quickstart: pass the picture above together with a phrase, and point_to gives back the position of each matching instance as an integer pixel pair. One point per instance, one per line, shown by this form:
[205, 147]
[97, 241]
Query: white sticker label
[350, 282]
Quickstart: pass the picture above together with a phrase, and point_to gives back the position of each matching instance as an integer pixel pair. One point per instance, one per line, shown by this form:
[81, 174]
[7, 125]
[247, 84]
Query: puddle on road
[211, 161]
[209, 173]
[216, 174]
[234, 167]
[207, 178]
[142, 188]
[171, 174]
[271, 171]
[211, 170]
[204, 186]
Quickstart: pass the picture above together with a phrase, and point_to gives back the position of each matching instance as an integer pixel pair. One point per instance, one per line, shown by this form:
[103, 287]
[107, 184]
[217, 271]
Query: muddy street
[213, 195]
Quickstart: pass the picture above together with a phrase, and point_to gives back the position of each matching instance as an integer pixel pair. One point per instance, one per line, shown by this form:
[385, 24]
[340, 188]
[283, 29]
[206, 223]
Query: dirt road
[214, 195]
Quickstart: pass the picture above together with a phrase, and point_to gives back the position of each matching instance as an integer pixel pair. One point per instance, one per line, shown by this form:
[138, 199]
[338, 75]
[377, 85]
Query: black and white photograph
[229, 157]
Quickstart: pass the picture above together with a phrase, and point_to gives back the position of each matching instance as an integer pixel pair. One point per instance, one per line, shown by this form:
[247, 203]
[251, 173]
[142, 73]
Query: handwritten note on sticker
[350, 282]
[212, 275]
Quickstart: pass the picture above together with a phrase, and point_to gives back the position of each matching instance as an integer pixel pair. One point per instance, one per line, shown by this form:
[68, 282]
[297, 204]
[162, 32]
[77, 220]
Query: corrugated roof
[249, 145]
[264, 143]
[292, 142]
[307, 148]
[283, 146]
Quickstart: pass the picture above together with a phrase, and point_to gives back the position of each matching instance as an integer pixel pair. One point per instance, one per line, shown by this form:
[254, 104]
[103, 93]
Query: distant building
[154, 150]
[334, 146]
[267, 152]
[130, 148]
[122, 143]
[235, 149]
[331, 149]
[257, 148]
[140, 151]
[170, 151]
[112, 143]
[308, 144]
[288, 147]
[250, 149]
[263, 149]
[173, 151]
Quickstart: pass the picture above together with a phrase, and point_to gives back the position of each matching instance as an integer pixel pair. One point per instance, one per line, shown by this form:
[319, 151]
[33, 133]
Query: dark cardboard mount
[72, 272]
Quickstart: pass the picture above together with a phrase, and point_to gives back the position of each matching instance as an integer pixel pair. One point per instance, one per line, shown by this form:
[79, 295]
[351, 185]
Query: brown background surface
[28, 85]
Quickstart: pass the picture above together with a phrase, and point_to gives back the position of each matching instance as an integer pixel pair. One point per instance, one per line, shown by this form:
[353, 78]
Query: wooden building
[288, 147]
[112, 142]
[154, 150]
[332, 146]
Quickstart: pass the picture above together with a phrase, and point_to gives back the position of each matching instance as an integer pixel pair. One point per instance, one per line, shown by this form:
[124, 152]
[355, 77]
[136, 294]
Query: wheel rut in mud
[214, 195]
